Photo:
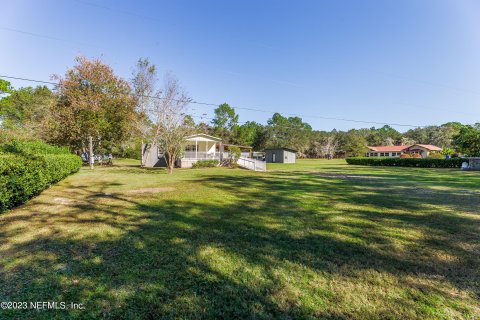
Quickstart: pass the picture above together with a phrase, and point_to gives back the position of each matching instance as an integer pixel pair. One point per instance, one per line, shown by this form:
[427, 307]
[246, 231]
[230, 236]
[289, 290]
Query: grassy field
[318, 239]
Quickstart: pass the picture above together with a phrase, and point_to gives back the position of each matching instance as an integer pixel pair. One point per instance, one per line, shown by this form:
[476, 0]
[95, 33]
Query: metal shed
[280, 155]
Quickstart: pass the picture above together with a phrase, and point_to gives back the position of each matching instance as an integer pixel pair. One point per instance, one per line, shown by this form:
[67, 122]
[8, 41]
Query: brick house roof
[388, 148]
[429, 147]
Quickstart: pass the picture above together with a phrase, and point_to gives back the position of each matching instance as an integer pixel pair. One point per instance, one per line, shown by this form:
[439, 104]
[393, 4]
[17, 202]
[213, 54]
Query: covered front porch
[202, 147]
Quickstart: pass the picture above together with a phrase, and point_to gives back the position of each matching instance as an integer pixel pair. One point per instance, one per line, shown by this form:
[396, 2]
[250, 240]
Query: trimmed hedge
[407, 162]
[24, 174]
[205, 164]
[31, 148]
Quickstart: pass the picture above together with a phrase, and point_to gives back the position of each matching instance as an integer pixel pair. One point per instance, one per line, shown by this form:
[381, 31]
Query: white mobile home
[198, 147]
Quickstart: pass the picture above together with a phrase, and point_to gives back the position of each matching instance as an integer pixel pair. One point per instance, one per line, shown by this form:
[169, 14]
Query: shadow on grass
[160, 258]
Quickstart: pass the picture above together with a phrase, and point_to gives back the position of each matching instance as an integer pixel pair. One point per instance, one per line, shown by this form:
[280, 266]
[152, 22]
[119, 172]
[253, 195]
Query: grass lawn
[316, 239]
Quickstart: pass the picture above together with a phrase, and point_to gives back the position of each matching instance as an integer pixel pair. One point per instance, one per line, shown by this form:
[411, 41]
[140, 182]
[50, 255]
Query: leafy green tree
[354, 145]
[225, 121]
[247, 133]
[419, 135]
[447, 151]
[93, 101]
[441, 136]
[234, 153]
[289, 132]
[5, 100]
[261, 139]
[5, 87]
[27, 109]
[204, 127]
[383, 136]
[468, 140]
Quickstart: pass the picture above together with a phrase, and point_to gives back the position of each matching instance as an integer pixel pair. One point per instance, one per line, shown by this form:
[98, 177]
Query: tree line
[124, 117]
[294, 133]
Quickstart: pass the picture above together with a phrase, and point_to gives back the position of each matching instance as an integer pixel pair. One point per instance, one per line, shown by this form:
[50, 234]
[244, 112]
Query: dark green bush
[205, 164]
[407, 162]
[31, 148]
[27, 168]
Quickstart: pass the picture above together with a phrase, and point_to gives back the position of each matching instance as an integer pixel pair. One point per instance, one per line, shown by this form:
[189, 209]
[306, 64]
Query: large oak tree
[92, 102]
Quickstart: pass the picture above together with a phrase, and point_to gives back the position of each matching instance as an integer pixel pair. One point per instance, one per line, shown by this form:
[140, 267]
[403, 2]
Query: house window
[382, 154]
[190, 147]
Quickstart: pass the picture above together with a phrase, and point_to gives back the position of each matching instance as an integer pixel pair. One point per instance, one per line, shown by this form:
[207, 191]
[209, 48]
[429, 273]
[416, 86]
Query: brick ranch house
[423, 150]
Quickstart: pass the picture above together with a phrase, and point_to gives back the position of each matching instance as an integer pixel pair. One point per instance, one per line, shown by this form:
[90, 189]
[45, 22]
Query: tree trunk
[90, 147]
[171, 162]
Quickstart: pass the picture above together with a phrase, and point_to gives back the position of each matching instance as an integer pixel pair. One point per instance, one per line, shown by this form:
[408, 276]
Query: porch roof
[203, 137]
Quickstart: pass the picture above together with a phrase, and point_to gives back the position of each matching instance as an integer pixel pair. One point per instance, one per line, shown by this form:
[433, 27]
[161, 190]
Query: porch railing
[192, 155]
[252, 164]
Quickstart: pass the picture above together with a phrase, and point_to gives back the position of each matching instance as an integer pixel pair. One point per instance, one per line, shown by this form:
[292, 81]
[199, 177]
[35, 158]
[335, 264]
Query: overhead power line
[30, 80]
[40, 35]
[246, 108]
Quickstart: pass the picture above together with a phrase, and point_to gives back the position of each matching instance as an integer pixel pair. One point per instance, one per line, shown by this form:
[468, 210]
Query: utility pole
[142, 161]
[90, 147]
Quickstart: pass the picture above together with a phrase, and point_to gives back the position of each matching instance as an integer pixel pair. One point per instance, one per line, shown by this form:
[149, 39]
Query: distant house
[280, 155]
[385, 151]
[423, 150]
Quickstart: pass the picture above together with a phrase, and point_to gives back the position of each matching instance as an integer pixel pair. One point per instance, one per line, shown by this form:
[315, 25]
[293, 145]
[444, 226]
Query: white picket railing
[192, 155]
[252, 164]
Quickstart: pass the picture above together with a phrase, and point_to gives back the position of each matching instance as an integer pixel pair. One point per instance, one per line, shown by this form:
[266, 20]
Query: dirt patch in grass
[63, 201]
[150, 190]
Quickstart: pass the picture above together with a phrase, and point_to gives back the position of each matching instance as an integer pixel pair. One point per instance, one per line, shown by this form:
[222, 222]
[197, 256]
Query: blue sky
[410, 62]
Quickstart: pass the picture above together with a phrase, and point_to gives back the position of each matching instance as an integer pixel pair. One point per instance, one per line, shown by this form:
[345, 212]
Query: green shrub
[31, 148]
[436, 155]
[205, 164]
[447, 151]
[27, 168]
[407, 162]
